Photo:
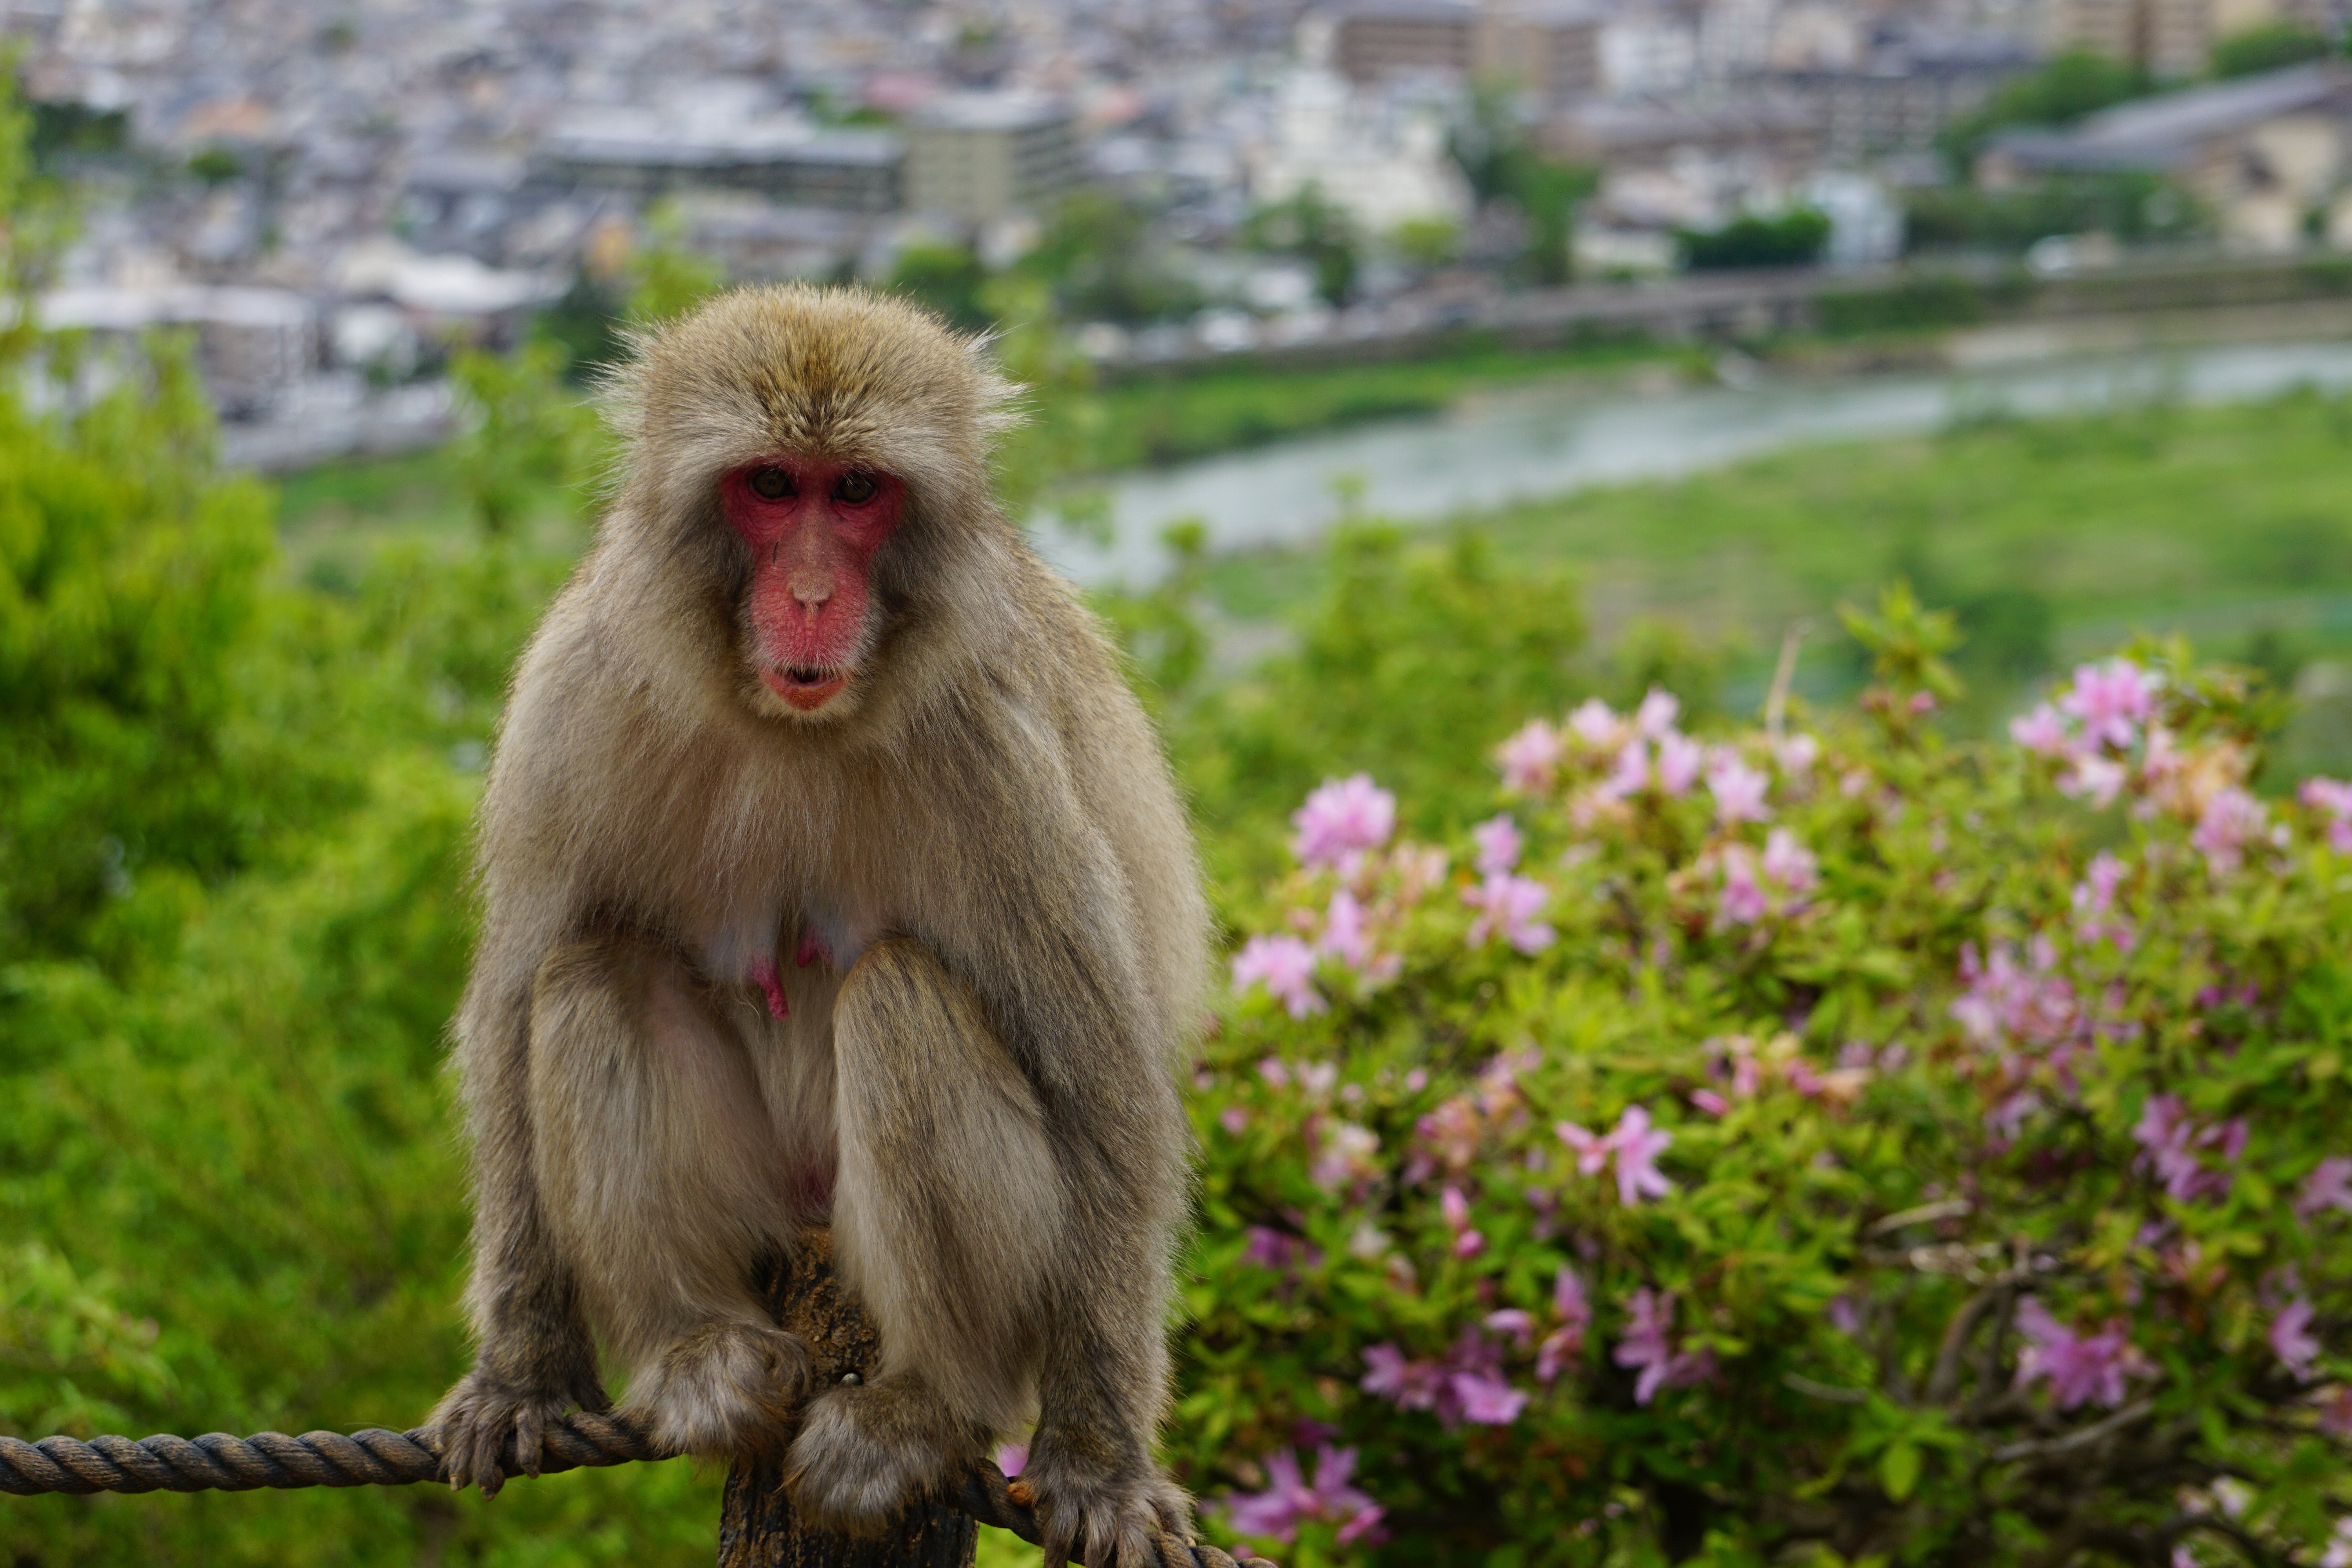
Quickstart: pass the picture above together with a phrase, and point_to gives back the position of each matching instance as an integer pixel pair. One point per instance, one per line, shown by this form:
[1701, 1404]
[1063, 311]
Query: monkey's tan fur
[982, 835]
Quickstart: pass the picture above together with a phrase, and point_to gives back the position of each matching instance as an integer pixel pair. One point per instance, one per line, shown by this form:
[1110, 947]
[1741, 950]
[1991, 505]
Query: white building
[1382, 161]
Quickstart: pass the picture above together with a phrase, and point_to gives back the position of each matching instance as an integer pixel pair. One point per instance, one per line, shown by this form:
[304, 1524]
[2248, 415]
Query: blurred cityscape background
[1272, 265]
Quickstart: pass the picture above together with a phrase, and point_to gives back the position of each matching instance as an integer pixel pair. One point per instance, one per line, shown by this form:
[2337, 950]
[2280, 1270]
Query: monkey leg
[664, 1179]
[945, 1219]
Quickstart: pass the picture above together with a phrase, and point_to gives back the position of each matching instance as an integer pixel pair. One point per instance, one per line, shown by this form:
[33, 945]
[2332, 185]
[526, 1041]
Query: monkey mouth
[806, 687]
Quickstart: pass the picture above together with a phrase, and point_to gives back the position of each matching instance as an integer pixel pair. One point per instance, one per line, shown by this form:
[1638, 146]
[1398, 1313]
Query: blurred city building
[2270, 155]
[981, 157]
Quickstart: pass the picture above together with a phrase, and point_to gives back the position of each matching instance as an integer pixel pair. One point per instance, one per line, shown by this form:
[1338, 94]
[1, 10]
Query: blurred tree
[2069, 87]
[665, 278]
[1315, 231]
[2130, 205]
[1549, 195]
[528, 431]
[586, 323]
[130, 580]
[1411, 655]
[944, 277]
[2271, 47]
[1098, 256]
[1794, 238]
[216, 165]
[1427, 242]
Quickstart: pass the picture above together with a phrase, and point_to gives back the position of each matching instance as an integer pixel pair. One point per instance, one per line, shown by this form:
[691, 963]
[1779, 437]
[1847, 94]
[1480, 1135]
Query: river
[1548, 439]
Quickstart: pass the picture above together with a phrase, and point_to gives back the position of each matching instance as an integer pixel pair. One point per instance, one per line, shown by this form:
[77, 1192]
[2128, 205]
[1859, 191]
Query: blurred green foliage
[2130, 206]
[1793, 238]
[2268, 48]
[1316, 231]
[2059, 92]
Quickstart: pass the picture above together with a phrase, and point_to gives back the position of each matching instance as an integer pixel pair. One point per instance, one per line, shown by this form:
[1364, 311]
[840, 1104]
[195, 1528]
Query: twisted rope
[374, 1458]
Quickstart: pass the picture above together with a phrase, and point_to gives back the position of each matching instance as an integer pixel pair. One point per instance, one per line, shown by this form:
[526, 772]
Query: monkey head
[808, 485]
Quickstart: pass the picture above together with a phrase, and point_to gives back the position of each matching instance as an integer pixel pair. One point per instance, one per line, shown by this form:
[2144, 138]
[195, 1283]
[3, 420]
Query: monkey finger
[527, 1435]
[482, 1461]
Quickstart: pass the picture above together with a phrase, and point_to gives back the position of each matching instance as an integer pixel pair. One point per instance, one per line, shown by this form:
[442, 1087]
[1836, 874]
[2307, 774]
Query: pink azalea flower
[2335, 1413]
[2291, 1340]
[1529, 758]
[1341, 820]
[1743, 900]
[1284, 966]
[1575, 1312]
[2111, 701]
[1680, 758]
[1656, 717]
[2231, 819]
[1498, 845]
[1408, 1385]
[1796, 755]
[2042, 730]
[1345, 1155]
[2023, 1002]
[2096, 779]
[1790, 863]
[1638, 1146]
[1738, 790]
[1594, 724]
[2078, 1367]
[1517, 1322]
[1633, 1145]
[2329, 1186]
[1012, 1458]
[1233, 1120]
[1509, 906]
[2095, 898]
[1487, 1400]
[2333, 799]
[1289, 1501]
[1591, 1149]
[1272, 1249]
[1467, 1242]
[2171, 1144]
[1714, 1104]
[1646, 1346]
[1632, 773]
[1344, 937]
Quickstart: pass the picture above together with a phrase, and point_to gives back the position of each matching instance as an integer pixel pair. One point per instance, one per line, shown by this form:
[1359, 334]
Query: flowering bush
[1833, 1142]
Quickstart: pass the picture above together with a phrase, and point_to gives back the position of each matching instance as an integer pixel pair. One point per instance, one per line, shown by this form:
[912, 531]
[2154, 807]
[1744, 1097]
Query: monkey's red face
[813, 529]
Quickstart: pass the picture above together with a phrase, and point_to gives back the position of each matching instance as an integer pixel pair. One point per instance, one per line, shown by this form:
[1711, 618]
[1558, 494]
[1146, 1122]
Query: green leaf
[1898, 1469]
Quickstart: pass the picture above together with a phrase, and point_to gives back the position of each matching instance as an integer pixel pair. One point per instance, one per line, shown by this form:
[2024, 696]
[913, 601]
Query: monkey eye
[853, 487]
[770, 484]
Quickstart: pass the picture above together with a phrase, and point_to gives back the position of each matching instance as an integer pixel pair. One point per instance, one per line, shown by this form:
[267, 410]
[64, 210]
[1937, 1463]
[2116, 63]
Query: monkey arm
[534, 1356]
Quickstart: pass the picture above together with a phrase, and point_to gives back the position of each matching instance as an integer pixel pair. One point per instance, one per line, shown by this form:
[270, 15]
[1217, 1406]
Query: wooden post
[756, 1528]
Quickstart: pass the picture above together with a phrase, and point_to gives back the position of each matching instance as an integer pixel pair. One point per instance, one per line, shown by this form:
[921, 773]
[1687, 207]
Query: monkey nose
[812, 592]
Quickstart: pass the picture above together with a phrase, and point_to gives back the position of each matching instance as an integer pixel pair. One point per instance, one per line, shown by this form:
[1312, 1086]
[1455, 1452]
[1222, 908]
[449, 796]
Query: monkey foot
[1106, 1520]
[474, 1420]
[863, 1454]
[725, 1388]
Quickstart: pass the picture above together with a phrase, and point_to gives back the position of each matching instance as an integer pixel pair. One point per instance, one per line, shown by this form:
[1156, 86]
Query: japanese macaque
[831, 875]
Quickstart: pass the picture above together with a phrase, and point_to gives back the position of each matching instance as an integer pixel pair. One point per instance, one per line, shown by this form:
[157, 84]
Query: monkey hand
[474, 1420]
[1101, 1502]
[865, 1453]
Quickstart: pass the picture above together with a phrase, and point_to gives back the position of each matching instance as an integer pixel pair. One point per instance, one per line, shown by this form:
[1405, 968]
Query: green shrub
[1794, 238]
[1830, 1146]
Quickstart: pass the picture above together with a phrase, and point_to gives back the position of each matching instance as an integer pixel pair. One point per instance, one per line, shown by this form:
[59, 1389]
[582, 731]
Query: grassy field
[2054, 539]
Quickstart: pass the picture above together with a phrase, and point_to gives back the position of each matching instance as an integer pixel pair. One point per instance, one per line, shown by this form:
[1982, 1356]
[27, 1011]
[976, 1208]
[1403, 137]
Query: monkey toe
[725, 1389]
